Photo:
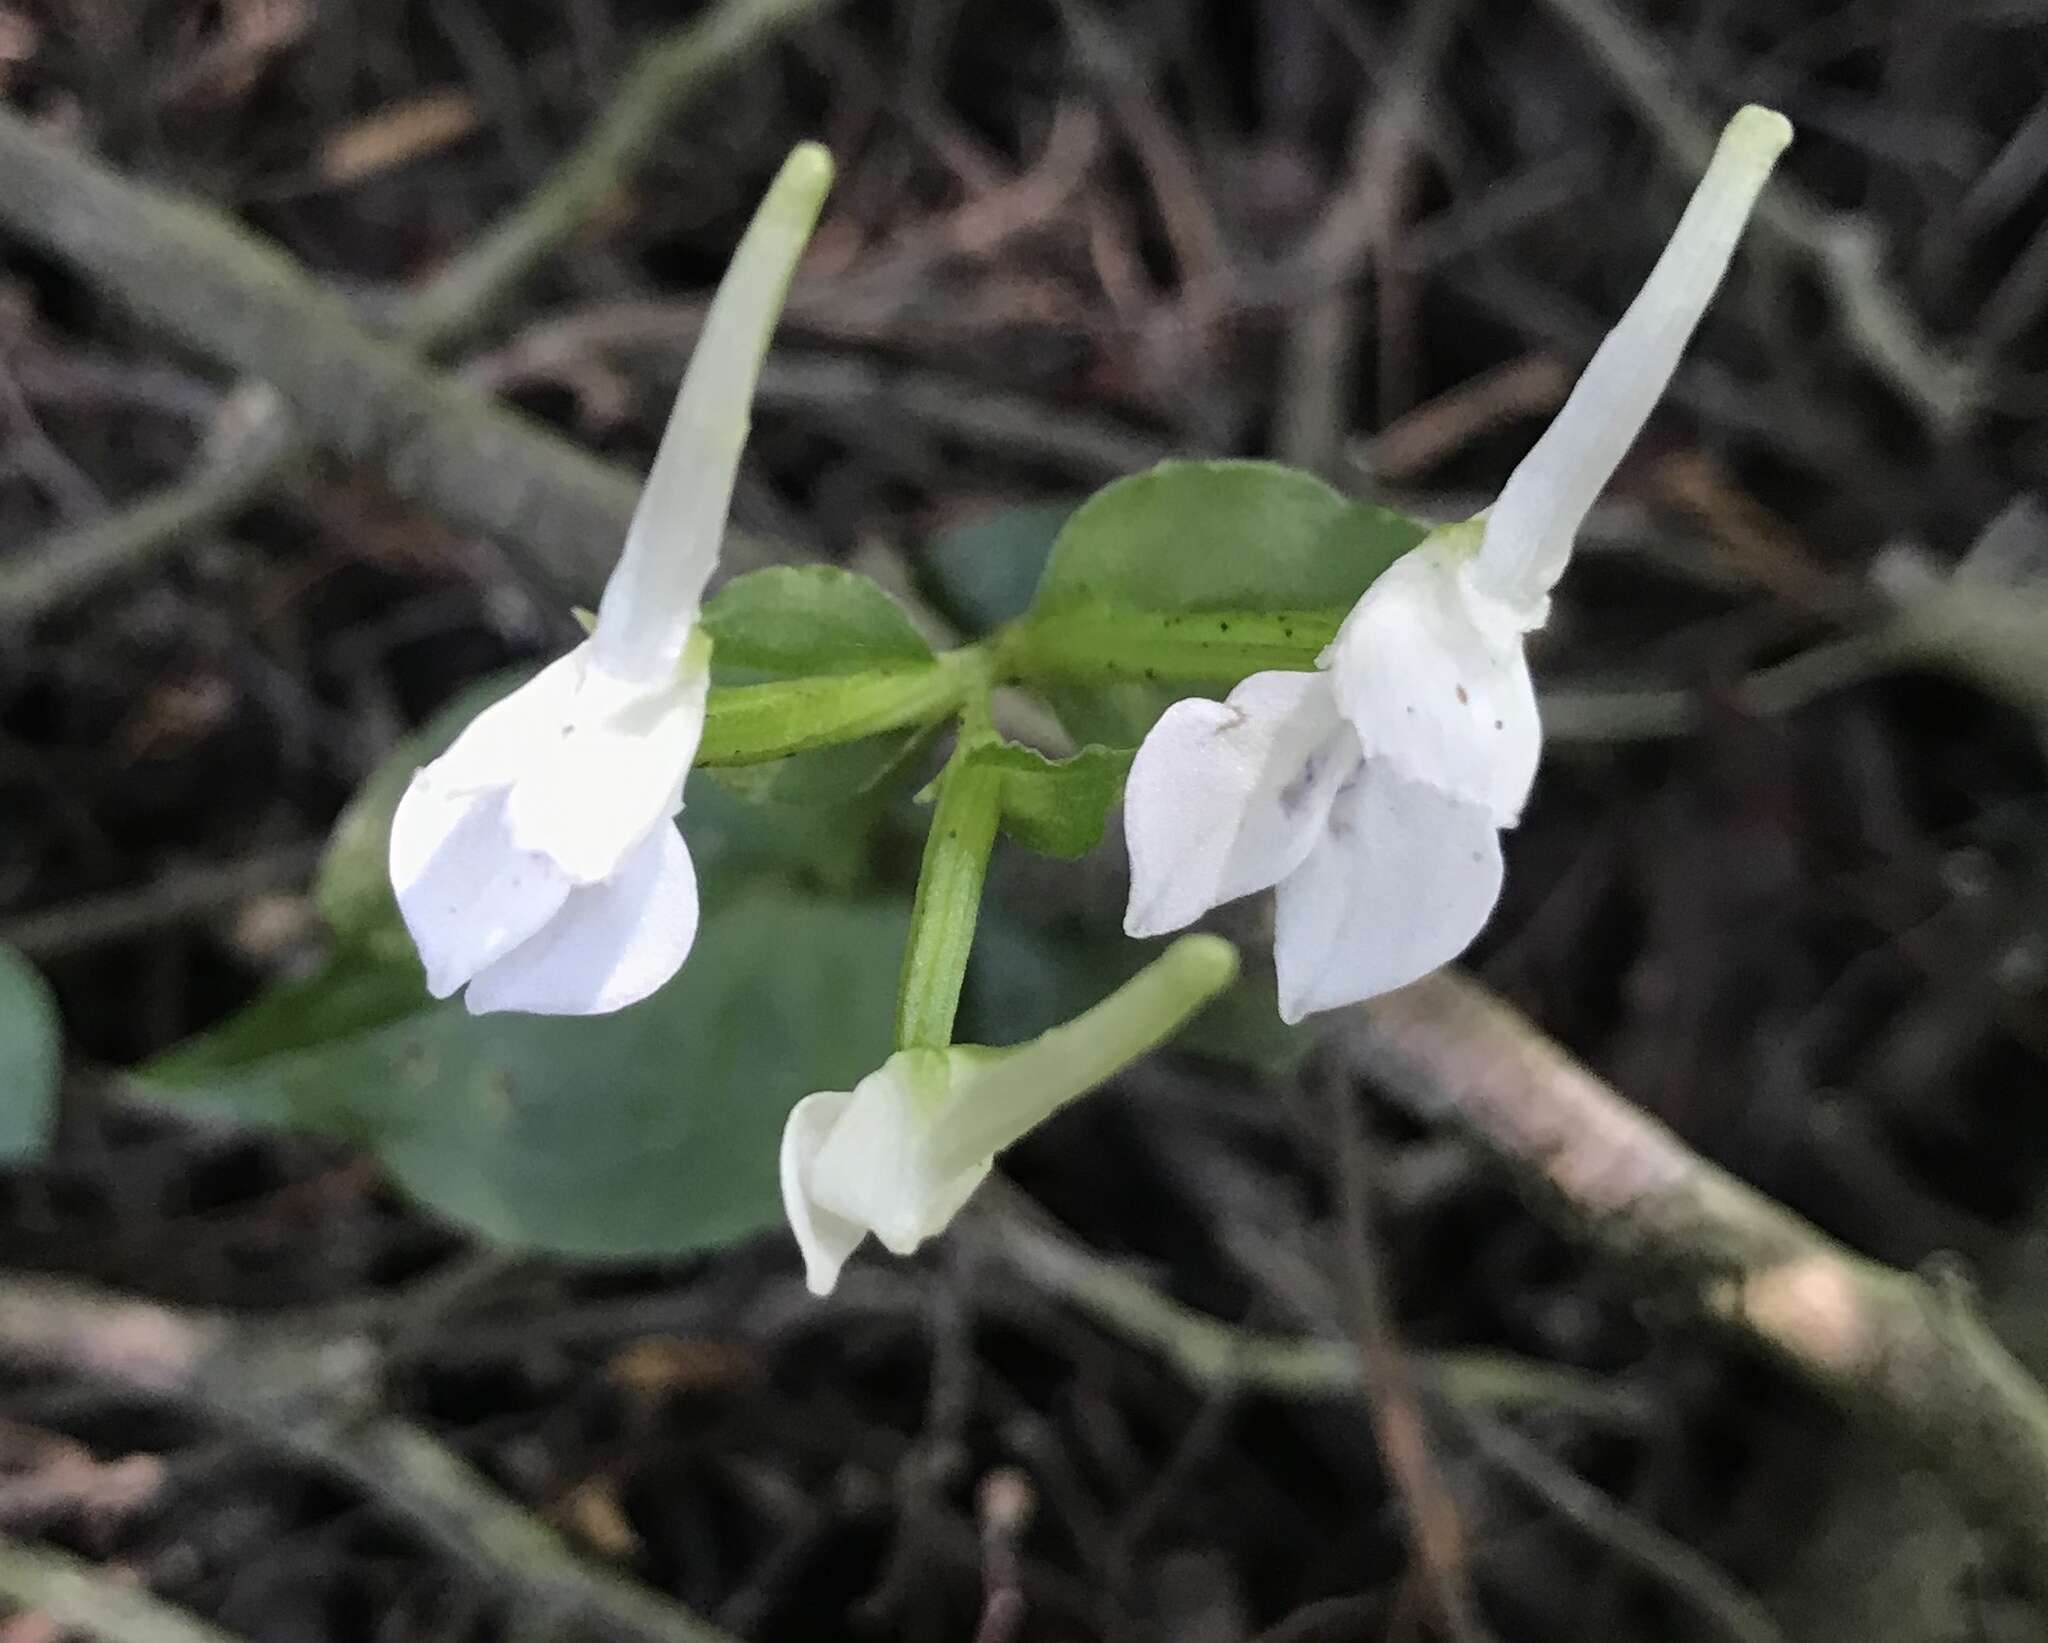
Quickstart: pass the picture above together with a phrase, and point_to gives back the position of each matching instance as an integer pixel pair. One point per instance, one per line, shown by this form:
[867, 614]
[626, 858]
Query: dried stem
[302, 1395]
[259, 433]
[1843, 250]
[1398, 1422]
[1908, 1353]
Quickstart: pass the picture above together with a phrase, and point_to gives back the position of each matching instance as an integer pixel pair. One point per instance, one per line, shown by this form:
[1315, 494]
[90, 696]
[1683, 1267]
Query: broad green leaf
[1221, 536]
[804, 621]
[793, 621]
[30, 1040]
[650, 1132]
[1191, 576]
[984, 573]
[1057, 806]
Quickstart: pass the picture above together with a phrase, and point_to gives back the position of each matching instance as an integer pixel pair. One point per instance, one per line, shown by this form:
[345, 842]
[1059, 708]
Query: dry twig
[83, 1599]
[302, 1395]
[1910, 1354]
[1844, 251]
[259, 433]
[1436, 1531]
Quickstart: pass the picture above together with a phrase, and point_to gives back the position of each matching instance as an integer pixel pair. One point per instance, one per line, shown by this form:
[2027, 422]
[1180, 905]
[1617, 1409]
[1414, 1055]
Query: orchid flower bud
[538, 860]
[1370, 794]
[904, 1149]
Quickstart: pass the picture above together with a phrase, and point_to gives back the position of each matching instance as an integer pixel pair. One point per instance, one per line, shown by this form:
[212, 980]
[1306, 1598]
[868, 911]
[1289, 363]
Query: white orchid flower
[899, 1153]
[538, 859]
[1371, 792]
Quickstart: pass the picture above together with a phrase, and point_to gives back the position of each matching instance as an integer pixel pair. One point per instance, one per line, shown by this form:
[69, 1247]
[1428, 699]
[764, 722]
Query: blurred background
[1783, 881]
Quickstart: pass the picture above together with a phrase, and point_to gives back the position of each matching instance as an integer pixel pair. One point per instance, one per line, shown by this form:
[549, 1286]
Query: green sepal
[1057, 807]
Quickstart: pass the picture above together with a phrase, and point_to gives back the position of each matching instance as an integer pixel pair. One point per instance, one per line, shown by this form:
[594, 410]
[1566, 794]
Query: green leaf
[1194, 575]
[1058, 807]
[650, 1132]
[1221, 536]
[30, 1040]
[984, 573]
[798, 621]
[805, 621]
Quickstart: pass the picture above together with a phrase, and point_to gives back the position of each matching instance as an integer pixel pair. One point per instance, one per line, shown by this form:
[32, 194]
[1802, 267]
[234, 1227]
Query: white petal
[610, 945]
[875, 1167]
[467, 892]
[497, 745]
[1401, 882]
[1225, 798]
[608, 770]
[671, 546]
[1529, 530]
[1433, 680]
[825, 1239]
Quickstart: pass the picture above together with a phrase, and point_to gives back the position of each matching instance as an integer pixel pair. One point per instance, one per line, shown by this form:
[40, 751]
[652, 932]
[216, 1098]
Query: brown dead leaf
[591, 1511]
[397, 135]
[658, 1365]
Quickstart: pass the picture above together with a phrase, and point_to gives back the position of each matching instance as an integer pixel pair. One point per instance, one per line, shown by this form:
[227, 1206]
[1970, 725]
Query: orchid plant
[1287, 689]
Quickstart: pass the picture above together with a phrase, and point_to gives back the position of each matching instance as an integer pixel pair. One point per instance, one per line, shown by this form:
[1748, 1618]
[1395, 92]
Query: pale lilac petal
[610, 945]
[467, 893]
[1433, 680]
[1225, 798]
[825, 1239]
[1402, 880]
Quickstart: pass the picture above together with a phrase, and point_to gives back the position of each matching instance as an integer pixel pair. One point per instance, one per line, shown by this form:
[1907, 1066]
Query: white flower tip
[1759, 133]
[1200, 966]
[804, 180]
[1529, 530]
[672, 544]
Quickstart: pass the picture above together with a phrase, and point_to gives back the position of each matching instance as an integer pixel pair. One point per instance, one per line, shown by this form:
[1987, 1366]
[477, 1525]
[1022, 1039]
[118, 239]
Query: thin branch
[668, 74]
[1227, 1358]
[1358, 221]
[242, 303]
[253, 438]
[259, 433]
[1911, 1355]
[1844, 251]
[1635, 1541]
[1436, 1531]
[303, 1395]
[81, 1598]
[177, 895]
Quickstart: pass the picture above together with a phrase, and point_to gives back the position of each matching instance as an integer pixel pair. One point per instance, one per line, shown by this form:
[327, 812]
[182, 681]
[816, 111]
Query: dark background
[1807, 933]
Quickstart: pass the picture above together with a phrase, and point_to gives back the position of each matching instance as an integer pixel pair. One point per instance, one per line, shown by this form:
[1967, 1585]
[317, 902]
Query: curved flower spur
[538, 859]
[900, 1153]
[1372, 791]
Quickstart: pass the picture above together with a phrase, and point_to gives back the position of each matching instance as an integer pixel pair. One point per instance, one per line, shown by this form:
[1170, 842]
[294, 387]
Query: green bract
[827, 688]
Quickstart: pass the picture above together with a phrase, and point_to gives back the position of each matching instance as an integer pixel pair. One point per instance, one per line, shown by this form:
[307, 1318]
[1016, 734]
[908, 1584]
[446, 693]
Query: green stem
[1023, 1087]
[948, 903]
[751, 724]
[1195, 647]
